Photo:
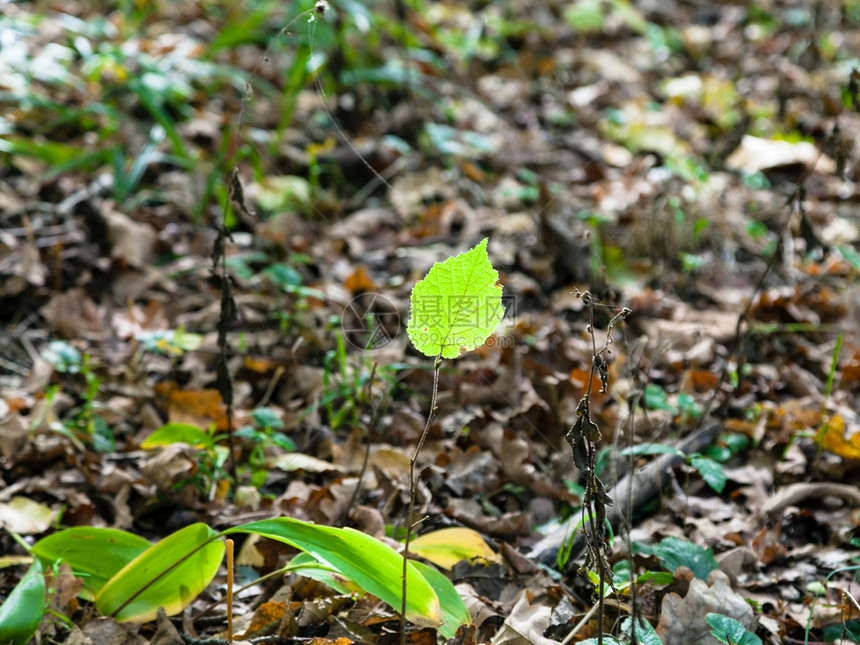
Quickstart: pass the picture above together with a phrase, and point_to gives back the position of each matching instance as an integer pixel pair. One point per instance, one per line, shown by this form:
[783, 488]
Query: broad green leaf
[656, 398]
[22, 611]
[729, 630]
[306, 565]
[375, 566]
[265, 417]
[95, 554]
[454, 612]
[736, 442]
[284, 275]
[178, 433]
[675, 552]
[711, 472]
[720, 454]
[844, 631]
[645, 632]
[446, 547]
[651, 449]
[457, 306]
[169, 574]
[657, 577]
[688, 406]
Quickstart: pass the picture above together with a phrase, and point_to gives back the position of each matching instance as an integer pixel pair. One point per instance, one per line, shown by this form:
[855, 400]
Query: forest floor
[695, 163]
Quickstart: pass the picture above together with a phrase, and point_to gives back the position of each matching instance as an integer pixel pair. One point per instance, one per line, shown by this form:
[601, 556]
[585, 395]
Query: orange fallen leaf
[831, 437]
[359, 281]
[266, 614]
[195, 407]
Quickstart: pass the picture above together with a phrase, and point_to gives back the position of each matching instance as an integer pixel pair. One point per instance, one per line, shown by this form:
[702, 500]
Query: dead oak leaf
[682, 620]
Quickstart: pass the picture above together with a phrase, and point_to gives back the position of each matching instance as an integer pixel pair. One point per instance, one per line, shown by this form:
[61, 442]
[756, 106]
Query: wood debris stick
[646, 483]
[793, 494]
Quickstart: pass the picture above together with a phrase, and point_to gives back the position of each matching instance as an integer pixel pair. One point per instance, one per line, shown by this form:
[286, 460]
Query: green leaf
[22, 611]
[48, 151]
[64, 357]
[375, 566]
[169, 574]
[95, 554]
[178, 433]
[675, 552]
[651, 449]
[645, 632]
[719, 454]
[283, 275]
[306, 565]
[736, 442]
[282, 440]
[457, 306]
[728, 630]
[656, 398]
[848, 630]
[711, 472]
[454, 612]
[585, 16]
[267, 418]
[688, 406]
[657, 577]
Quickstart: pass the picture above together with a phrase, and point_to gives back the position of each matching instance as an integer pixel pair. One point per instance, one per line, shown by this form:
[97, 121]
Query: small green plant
[84, 423]
[454, 309]
[169, 342]
[264, 433]
[674, 552]
[645, 634]
[709, 469]
[210, 459]
[128, 578]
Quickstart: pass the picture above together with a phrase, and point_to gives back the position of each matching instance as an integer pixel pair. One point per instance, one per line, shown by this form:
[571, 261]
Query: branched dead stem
[582, 438]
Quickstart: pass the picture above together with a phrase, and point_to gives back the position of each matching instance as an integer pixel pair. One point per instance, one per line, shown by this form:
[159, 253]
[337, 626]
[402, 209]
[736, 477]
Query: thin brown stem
[229, 590]
[594, 499]
[412, 489]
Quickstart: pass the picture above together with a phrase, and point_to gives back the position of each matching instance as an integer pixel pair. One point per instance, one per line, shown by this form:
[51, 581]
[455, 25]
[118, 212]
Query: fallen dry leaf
[526, 623]
[682, 620]
[24, 516]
